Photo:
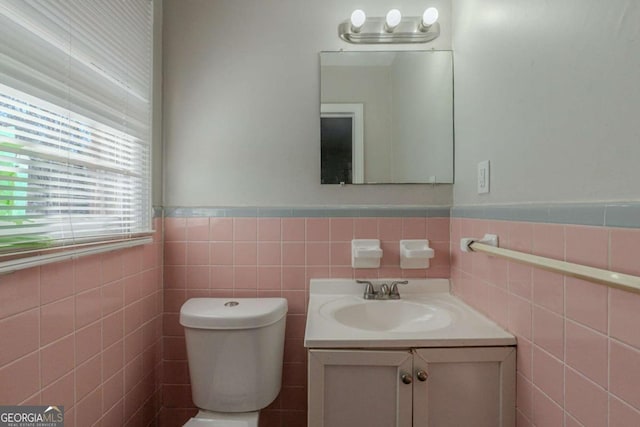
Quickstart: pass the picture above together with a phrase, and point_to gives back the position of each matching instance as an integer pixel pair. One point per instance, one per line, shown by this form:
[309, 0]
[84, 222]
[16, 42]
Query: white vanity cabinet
[420, 387]
[426, 360]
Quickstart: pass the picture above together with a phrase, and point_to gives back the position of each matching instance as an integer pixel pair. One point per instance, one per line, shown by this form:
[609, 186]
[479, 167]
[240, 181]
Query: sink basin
[387, 316]
[426, 316]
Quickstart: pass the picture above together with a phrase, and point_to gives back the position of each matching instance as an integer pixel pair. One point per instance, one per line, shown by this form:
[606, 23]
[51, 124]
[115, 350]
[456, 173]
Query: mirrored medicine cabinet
[386, 117]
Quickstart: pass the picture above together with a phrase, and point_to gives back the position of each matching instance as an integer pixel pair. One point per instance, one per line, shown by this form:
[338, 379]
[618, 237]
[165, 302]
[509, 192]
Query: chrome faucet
[384, 293]
[393, 293]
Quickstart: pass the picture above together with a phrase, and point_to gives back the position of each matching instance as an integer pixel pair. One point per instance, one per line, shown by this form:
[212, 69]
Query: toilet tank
[235, 348]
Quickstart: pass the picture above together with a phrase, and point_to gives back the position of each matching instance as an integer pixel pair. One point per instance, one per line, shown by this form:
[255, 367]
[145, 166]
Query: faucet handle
[369, 292]
[393, 293]
[365, 282]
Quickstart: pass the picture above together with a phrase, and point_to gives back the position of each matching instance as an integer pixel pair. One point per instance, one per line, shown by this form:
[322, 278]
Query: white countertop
[458, 326]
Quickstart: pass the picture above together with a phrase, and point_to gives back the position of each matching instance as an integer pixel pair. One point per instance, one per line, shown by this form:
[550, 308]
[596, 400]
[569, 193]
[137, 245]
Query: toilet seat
[223, 419]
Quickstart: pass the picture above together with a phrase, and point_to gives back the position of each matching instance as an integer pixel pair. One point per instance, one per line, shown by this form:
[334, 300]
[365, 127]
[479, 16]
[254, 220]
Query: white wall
[241, 102]
[550, 93]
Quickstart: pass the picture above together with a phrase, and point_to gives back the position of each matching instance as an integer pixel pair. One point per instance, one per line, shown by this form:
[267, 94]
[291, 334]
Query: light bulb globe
[358, 18]
[430, 16]
[393, 18]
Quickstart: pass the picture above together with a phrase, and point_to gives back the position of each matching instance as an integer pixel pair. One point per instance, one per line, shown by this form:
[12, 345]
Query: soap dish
[365, 253]
[415, 254]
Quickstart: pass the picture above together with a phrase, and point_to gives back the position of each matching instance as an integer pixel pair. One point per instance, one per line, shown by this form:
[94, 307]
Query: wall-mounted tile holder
[365, 253]
[415, 254]
[488, 239]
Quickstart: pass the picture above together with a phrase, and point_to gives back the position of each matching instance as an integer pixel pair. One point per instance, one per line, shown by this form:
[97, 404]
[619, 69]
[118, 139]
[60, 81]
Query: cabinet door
[464, 387]
[352, 388]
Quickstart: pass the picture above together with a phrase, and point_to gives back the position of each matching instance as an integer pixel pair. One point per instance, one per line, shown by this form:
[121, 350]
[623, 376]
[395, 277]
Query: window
[75, 108]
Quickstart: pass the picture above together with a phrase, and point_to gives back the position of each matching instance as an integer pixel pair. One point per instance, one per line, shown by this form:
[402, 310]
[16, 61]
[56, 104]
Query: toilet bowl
[235, 351]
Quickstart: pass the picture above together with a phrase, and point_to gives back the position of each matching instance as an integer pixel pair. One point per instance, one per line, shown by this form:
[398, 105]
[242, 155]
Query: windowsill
[36, 257]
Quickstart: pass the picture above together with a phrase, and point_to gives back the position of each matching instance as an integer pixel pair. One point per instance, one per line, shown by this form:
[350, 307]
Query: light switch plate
[483, 177]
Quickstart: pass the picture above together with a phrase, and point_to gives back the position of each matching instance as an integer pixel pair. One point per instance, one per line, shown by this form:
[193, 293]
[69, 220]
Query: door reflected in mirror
[386, 117]
[341, 127]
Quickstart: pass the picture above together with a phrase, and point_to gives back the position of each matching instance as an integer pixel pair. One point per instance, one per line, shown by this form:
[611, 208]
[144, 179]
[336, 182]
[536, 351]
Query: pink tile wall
[273, 257]
[578, 342]
[86, 334]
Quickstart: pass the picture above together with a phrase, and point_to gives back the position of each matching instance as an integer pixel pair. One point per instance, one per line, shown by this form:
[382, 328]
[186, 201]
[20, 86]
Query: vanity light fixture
[393, 28]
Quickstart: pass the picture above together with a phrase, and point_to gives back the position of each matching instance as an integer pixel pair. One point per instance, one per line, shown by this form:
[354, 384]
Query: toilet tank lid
[232, 313]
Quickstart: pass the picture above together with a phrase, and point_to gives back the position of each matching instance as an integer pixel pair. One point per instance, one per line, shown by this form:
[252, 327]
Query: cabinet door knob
[422, 375]
[406, 378]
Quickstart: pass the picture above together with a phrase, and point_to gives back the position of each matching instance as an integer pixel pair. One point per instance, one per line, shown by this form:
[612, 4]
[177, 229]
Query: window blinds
[75, 113]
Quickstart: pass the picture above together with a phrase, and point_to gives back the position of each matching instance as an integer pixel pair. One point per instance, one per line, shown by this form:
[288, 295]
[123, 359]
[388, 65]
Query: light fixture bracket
[410, 30]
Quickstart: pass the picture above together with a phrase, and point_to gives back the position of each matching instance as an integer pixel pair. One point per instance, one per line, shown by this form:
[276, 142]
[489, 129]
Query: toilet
[234, 349]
